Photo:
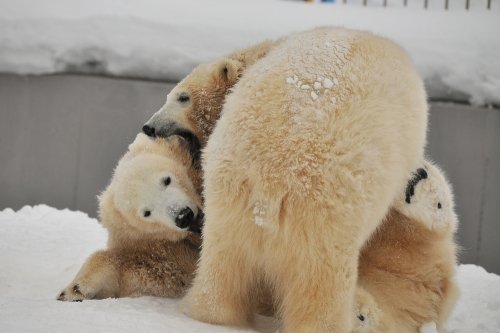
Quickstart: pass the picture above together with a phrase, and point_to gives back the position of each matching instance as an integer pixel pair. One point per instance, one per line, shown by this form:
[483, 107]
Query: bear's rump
[339, 154]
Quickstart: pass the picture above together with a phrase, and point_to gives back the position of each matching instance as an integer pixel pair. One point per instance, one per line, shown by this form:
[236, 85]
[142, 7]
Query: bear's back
[322, 94]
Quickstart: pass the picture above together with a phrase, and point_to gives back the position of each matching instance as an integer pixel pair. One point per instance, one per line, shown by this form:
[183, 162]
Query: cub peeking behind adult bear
[151, 210]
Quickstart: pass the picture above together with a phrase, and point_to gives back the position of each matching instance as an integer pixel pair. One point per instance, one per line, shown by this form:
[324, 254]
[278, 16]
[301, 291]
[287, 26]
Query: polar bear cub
[194, 105]
[151, 212]
[406, 271]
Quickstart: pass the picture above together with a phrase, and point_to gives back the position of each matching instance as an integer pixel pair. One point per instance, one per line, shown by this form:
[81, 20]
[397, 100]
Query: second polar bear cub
[151, 212]
[407, 269]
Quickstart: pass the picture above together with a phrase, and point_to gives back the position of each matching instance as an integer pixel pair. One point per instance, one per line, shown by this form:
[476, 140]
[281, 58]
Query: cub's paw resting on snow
[98, 278]
[408, 266]
[151, 212]
[73, 294]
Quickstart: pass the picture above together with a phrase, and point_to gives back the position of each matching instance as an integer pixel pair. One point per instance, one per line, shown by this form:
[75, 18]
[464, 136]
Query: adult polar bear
[312, 146]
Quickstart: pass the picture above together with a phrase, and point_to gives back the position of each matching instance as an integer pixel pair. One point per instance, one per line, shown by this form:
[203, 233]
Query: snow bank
[456, 52]
[42, 248]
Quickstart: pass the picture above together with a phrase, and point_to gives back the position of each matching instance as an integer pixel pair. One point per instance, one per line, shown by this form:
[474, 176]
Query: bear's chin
[159, 231]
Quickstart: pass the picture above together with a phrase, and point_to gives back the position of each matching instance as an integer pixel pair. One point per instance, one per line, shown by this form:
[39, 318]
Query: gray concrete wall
[60, 137]
[465, 141]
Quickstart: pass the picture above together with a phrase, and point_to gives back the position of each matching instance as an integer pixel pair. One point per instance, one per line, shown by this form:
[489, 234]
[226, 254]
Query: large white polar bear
[313, 145]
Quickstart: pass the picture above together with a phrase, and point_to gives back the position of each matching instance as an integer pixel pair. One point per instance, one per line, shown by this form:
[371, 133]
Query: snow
[455, 51]
[259, 213]
[314, 96]
[328, 84]
[429, 328]
[317, 85]
[42, 248]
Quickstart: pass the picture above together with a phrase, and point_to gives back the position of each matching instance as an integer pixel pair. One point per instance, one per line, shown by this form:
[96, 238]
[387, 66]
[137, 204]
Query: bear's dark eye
[439, 205]
[166, 181]
[183, 97]
[147, 213]
[361, 317]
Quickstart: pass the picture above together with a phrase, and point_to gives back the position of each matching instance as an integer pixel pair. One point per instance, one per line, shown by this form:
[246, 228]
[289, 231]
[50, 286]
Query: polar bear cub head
[428, 199]
[194, 105]
[151, 193]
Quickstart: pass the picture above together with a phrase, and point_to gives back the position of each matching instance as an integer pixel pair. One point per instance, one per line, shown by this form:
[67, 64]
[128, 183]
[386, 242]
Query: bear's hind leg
[317, 295]
[221, 289]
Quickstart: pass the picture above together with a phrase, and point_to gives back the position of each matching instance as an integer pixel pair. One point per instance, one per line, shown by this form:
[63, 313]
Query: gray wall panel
[114, 114]
[489, 242]
[456, 142]
[14, 111]
[38, 142]
[61, 136]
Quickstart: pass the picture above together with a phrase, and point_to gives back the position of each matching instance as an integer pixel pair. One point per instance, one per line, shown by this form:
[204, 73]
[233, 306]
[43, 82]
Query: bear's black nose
[149, 131]
[185, 218]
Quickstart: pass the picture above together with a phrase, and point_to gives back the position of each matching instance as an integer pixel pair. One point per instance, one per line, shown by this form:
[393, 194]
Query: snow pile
[479, 307]
[42, 248]
[165, 39]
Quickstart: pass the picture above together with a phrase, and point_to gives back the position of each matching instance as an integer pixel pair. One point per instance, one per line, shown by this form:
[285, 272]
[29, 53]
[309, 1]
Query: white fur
[325, 172]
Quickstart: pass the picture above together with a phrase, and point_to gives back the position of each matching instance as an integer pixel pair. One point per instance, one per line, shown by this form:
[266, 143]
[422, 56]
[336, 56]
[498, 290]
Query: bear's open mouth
[192, 142]
[199, 222]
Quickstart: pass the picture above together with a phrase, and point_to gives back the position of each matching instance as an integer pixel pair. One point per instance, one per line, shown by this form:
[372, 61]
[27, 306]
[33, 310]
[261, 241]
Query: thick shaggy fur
[312, 147]
[408, 266]
[146, 255]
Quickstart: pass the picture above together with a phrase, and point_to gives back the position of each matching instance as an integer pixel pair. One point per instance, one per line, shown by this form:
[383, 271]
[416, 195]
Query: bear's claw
[71, 294]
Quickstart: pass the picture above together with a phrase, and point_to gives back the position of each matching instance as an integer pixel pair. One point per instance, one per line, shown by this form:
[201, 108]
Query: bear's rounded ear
[230, 70]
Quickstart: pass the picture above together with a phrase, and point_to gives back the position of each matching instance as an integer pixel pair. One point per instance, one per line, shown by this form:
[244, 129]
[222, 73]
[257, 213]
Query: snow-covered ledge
[456, 51]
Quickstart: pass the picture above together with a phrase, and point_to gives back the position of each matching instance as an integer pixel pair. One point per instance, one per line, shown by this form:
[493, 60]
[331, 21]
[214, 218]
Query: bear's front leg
[221, 289]
[317, 294]
[97, 279]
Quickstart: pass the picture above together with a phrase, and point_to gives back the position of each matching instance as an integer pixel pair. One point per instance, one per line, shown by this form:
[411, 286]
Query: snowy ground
[456, 51]
[42, 248]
